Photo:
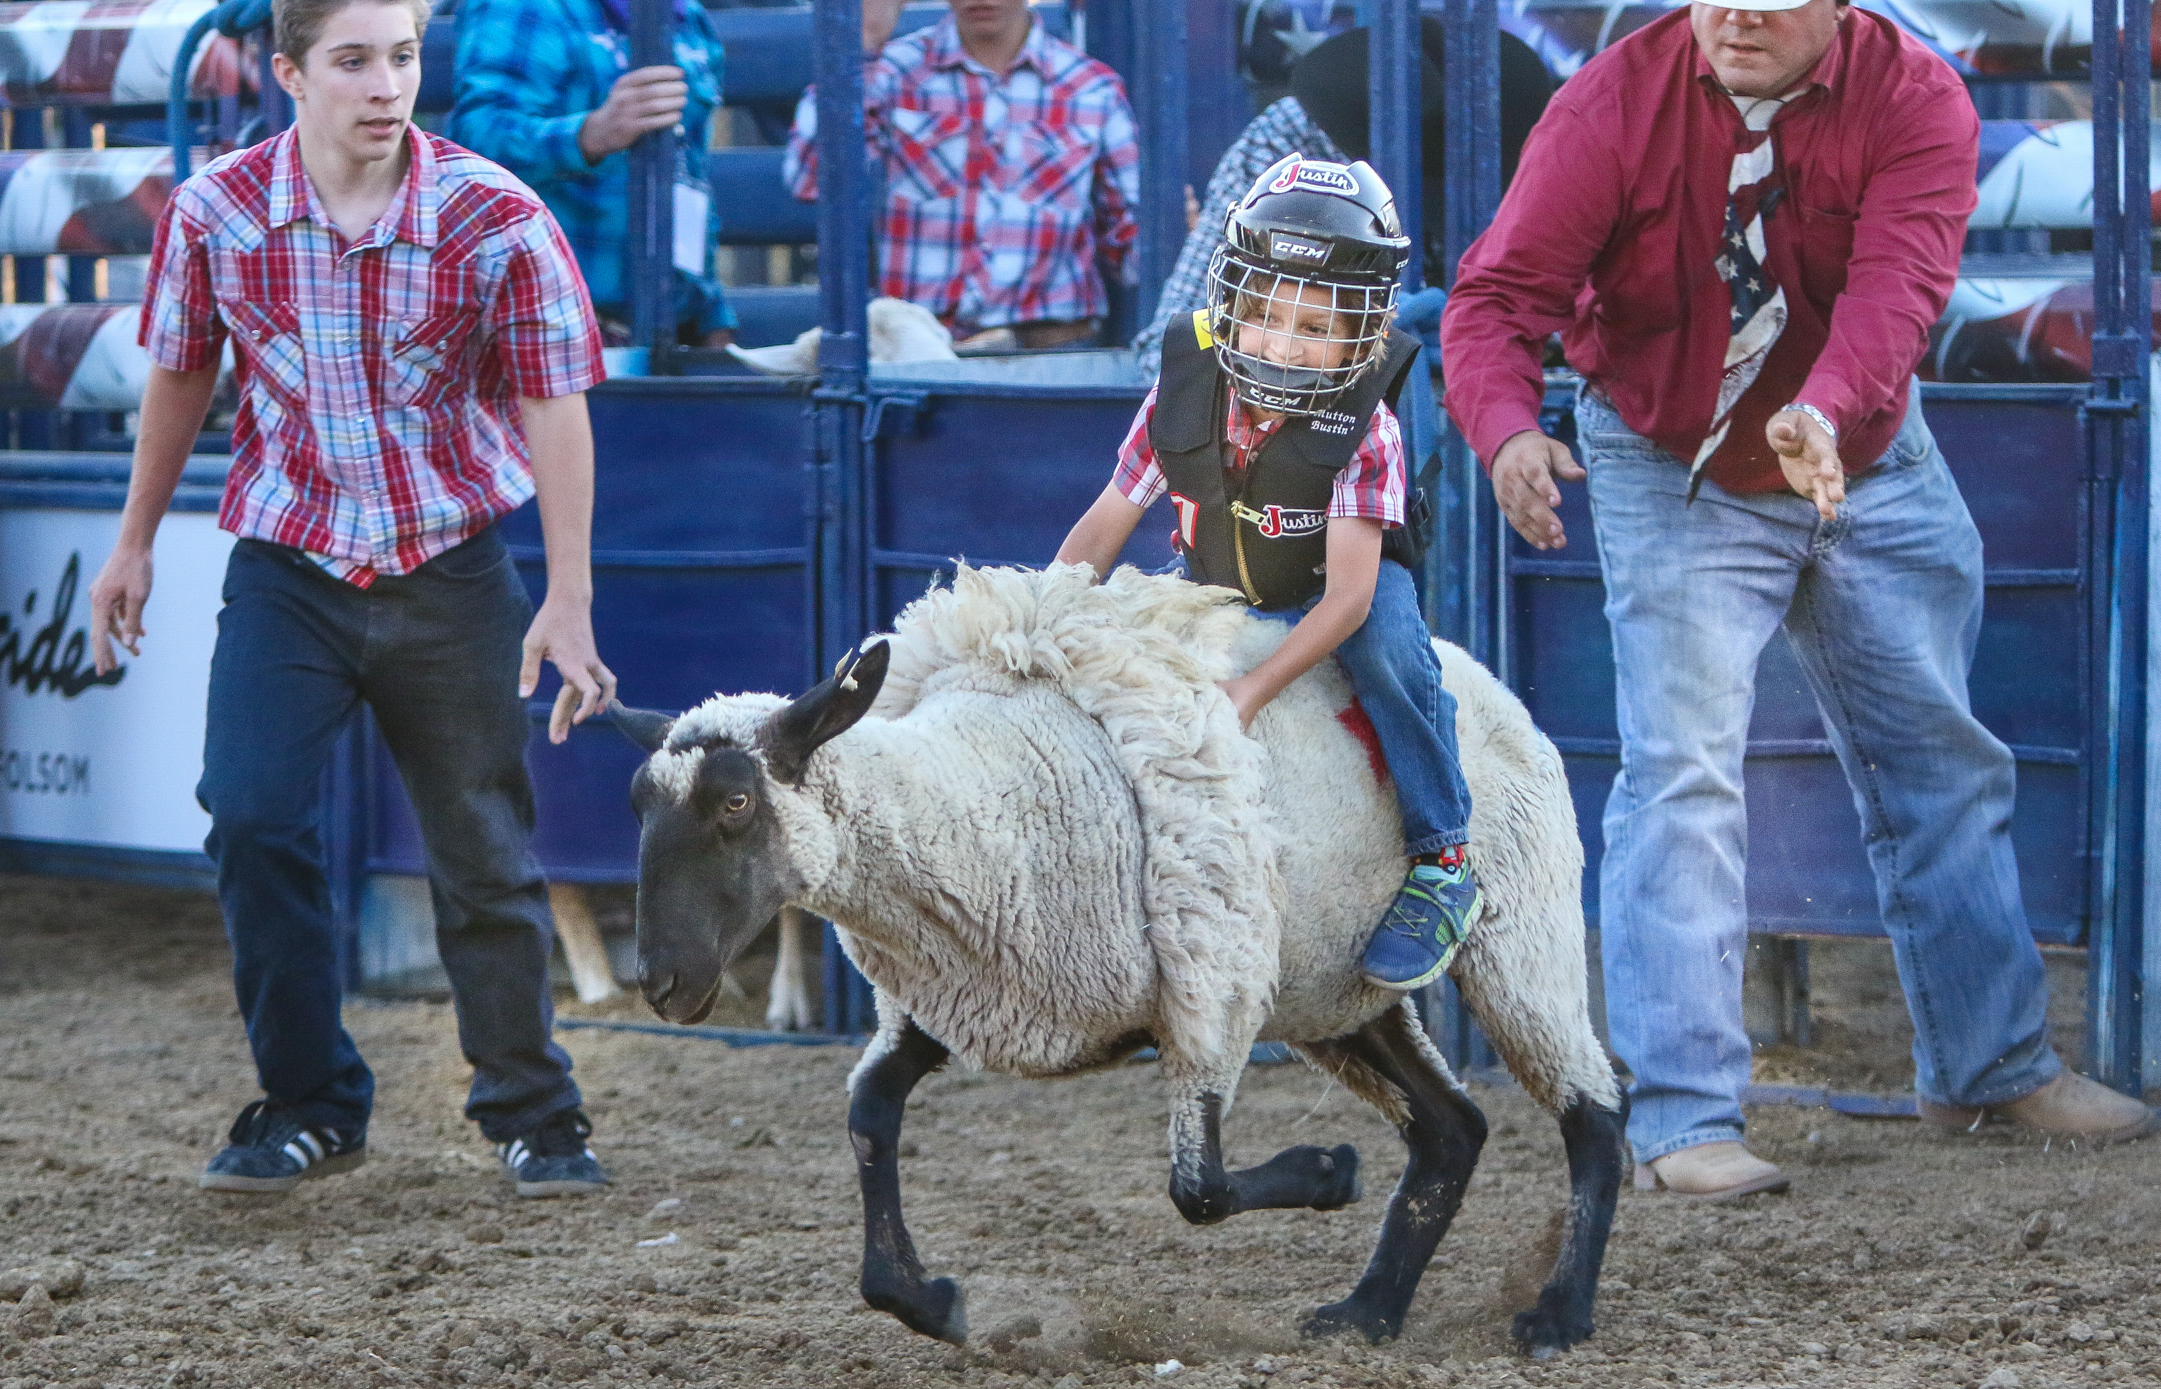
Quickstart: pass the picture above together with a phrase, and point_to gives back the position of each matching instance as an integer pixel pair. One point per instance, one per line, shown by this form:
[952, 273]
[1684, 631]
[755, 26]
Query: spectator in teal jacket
[545, 88]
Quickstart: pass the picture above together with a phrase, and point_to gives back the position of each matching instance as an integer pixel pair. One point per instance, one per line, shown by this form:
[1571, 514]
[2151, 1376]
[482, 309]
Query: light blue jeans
[1882, 606]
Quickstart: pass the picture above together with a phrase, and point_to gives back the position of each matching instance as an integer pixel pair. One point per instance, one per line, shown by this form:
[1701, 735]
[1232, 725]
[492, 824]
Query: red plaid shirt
[1000, 192]
[378, 379]
[1371, 485]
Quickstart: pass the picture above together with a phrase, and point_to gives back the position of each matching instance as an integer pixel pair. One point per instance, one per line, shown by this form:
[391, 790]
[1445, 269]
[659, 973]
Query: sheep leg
[1542, 1028]
[1593, 1135]
[1301, 1178]
[788, 1007]
[583, 950]
[1444, 1132]
[893, 1278]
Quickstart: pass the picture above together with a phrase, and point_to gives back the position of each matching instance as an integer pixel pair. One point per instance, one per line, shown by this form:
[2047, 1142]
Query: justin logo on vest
[1274, 522]
[1334, 422]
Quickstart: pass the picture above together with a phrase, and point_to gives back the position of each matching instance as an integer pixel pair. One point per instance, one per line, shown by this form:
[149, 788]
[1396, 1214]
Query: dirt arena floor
[1901, 1257]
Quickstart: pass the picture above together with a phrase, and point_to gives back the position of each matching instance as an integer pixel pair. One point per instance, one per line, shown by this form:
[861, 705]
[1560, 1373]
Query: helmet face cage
[1258, 311]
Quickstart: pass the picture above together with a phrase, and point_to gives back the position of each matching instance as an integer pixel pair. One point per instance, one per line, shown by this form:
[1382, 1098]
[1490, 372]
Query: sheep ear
[649, 730]
[831, 708]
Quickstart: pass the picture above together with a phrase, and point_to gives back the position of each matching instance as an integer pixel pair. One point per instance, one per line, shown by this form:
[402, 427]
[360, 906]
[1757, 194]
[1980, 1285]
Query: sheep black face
[712, 860]
[709, 864]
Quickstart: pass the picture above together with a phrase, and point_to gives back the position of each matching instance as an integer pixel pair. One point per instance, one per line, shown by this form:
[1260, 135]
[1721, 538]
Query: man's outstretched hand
[117, 597]
[1809, 456]
[1527, 471]
[562, 632]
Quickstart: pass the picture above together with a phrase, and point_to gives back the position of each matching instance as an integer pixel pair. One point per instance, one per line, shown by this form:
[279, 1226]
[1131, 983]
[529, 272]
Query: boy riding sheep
[1271, 430]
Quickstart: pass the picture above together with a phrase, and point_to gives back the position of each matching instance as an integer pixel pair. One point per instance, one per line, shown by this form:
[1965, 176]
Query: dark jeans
[435, 656]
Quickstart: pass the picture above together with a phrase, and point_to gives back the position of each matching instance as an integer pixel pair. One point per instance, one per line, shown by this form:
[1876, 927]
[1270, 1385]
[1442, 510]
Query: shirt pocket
[426, 357]
[267, 338]
[1051, 166]
[930, 153]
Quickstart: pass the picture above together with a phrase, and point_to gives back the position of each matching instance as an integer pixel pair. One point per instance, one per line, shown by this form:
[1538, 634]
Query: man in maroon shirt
[1742, 220]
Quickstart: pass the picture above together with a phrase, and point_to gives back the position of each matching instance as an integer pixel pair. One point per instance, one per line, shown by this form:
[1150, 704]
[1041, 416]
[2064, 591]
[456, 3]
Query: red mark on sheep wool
[1353, 718]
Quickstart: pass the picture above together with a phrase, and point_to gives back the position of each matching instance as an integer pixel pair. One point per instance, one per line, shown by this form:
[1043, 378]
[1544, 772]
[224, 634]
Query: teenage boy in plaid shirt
[413, 343]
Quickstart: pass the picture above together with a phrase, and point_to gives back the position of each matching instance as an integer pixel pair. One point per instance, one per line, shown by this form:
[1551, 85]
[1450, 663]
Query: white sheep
[1050, 845]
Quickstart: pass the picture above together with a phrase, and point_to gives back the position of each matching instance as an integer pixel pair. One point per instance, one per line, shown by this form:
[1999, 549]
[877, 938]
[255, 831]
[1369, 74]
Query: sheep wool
[1140, 656]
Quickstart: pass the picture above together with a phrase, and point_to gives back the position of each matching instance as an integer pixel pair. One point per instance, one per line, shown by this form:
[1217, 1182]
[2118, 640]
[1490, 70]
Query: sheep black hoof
[1349, 1316]
[1339, 1184]
[937, 1309]
[1550, 1328]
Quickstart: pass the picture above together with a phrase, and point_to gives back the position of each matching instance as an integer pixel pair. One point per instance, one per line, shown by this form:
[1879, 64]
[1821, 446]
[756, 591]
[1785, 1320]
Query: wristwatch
[1817, 415]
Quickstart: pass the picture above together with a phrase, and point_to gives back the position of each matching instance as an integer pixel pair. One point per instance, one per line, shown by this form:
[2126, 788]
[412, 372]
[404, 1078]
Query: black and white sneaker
[271, 1149]
[553, 1159]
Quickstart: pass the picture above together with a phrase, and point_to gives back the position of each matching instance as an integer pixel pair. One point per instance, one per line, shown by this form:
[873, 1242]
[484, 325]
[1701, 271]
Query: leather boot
[1710, 1172]
[2070, 1106]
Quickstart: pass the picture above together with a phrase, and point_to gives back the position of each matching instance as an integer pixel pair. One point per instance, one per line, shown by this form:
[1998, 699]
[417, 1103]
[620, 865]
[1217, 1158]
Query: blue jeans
[1882, 606]
[435, 656]
[1397, 678]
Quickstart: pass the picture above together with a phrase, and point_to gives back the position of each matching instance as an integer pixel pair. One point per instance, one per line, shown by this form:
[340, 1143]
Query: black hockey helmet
[1306, 225]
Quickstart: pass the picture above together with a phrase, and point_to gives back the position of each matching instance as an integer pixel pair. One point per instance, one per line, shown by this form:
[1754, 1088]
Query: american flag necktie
[1758, 312]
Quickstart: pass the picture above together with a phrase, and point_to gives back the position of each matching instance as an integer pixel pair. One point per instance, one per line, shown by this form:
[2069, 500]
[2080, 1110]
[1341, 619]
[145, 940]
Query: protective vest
[1269, 538]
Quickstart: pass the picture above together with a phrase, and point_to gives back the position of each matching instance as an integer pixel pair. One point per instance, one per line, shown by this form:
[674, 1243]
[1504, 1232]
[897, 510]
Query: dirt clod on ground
[1902, 1256]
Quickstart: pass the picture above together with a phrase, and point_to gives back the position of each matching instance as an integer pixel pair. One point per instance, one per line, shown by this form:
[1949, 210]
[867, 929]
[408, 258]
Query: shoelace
[257, 1123]
[267, 1124]
[1403, 921]
[561, 1135]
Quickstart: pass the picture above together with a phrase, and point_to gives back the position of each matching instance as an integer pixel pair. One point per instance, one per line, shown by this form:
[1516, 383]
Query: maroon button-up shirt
[1610, 232]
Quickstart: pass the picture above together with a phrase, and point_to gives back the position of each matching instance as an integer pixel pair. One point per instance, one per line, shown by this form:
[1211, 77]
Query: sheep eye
[737, 803]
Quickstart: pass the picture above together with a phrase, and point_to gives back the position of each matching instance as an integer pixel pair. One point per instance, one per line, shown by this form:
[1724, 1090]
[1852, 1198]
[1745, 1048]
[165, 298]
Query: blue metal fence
[2117, 521]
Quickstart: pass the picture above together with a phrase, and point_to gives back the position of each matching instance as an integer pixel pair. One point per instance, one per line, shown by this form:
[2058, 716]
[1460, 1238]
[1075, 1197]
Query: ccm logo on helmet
[1291, 248]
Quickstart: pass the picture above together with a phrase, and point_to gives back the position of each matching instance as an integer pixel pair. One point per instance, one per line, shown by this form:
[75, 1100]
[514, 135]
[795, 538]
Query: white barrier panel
[84, 202]
[2041, 180]
[110, 761]
[78, 53]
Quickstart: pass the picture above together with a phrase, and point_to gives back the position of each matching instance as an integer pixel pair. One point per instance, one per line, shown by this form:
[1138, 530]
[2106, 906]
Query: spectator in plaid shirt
[545, 88]
[1010, 167]
[412, 345]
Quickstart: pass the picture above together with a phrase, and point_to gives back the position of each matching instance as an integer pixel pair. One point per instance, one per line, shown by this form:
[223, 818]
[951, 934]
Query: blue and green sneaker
[1424, 927]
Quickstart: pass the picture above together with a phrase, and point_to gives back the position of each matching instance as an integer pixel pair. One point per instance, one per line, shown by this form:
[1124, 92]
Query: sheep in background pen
[1056, 847]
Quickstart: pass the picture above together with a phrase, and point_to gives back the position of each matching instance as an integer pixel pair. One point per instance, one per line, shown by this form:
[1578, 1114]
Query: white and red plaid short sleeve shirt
[378, 378]
[1372, 485]
[1001, 191]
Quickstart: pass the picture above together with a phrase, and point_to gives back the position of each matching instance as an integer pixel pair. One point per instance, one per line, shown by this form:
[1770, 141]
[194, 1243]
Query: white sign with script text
[107, 760]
